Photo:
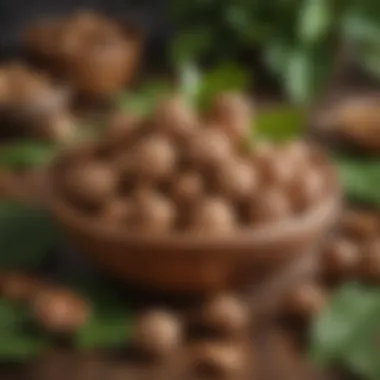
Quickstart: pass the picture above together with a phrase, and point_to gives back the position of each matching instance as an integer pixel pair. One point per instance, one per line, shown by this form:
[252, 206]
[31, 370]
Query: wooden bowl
[186, 263]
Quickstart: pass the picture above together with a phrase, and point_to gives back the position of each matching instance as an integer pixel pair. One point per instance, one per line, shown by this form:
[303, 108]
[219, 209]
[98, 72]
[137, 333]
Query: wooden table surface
[273, 358]
[275, 351]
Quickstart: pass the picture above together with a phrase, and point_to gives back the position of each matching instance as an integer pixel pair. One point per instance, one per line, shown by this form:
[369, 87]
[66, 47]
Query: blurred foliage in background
[298, 41]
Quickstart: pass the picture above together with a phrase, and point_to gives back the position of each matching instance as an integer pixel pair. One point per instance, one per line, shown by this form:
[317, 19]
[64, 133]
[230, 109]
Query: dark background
[16, 14]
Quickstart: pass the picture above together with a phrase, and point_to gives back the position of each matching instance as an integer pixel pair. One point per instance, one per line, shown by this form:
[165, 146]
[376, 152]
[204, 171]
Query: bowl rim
[278, 231]
[282, 231]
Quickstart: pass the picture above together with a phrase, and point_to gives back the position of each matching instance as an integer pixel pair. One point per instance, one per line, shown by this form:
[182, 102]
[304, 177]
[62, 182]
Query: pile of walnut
[352, 253]
[96, 54]
[177, 171]
[32, 106]
[212, 339]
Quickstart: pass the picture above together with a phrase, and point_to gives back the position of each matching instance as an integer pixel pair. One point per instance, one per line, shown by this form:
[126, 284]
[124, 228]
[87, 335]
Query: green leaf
[315, 19]
[110, 325]
[143, 101]
[191, 82]
[363, 354]
[242, 23]
[105, 331]
[336, 329]
[347, 332]
[191, 45]
[370, 58]
[18, 342]
[226, 77]
[298, 76]
[306, 72]
[360, 178]
[279, 123]
[21, 347]
[276, 53]
[27, 236]
[11, 317]
[362, 28]
[26, 154]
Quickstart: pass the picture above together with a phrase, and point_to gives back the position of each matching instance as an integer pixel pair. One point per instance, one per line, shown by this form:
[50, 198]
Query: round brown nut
[209, 148]
[275, 170]
[155, 158]
[59, 128]
[60, 311]
[305, 300]
[187, 188]
[298, 152]
[90, 183]
[340, 259]
[176, 118]
[122, 125]
[361, 225]
[158, 332]
[233, 113]
[224, 360]
[33, 89]
[117, 211]
[262, 151]
[307, 189]
[213, 216]
[226, 314]
[152, 213]
[19, 287]
[270, 206]
[236, 179]
[369, 266]
[18, 75]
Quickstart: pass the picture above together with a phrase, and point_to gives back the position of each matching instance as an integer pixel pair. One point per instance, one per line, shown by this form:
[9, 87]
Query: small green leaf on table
[362, 355]
[26, 154]
[347, 331]
[104, 331]
[27, 236]
[111, 322]
[18, 341]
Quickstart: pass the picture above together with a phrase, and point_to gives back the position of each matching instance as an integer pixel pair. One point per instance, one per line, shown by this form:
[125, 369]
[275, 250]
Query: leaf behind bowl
[360, 178]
